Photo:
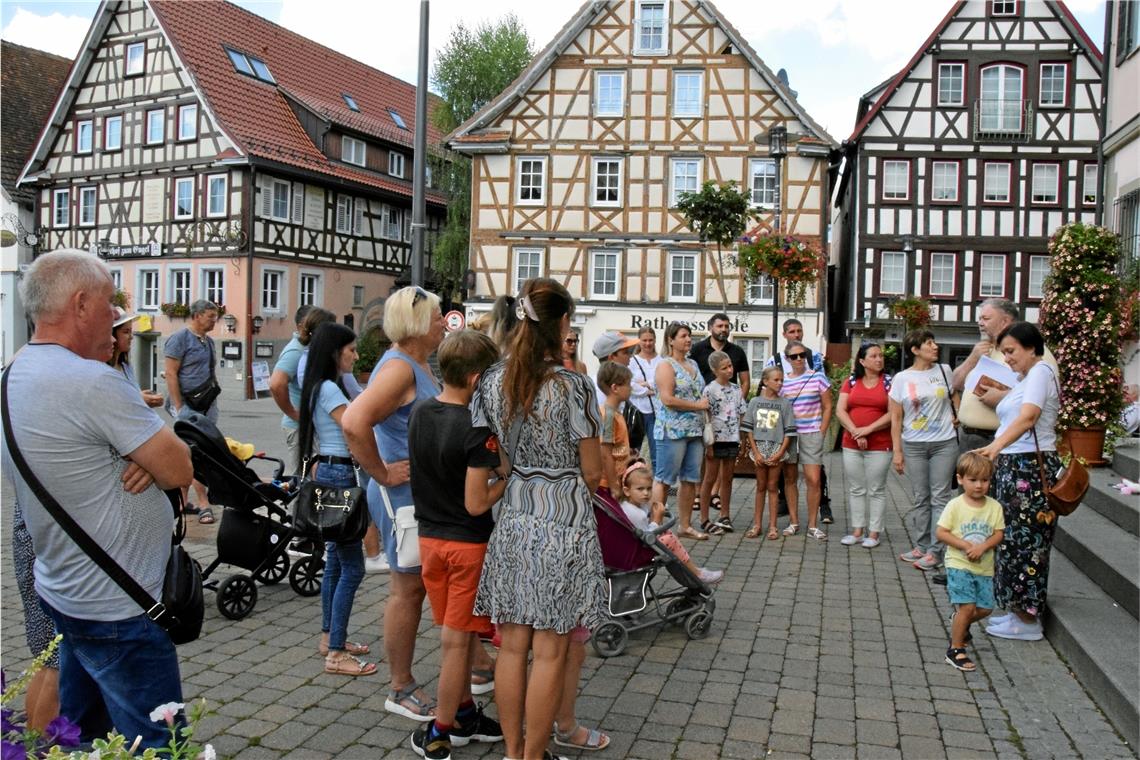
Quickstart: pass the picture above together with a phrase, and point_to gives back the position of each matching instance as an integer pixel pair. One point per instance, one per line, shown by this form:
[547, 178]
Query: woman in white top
[925, 442]
[643, 365]
[1028, 418]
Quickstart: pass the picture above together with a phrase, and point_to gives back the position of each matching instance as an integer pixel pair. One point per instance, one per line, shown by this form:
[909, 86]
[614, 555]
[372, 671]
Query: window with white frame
[761, 292]
[604, 266]
[184, 198]
[148, 289]
[892, 273]
[757, 351]
[1038, 271]
[117, 279]
[687, 93]
[991, 275]
[528, 265]
[217, 188]
[1003, 7]
[951, 84]
[1001, 106]
[763, 182]
[344, 209]
[214, 285]
[179, 284]
[88, 200]
[60, 208]
[944, 181]
[84, 136]
[352, 150]
[686, 177]
[136, 59]
[1089, 184]
[609, 93]
[996, 181]
[188, 121]
[393, 222]
[943, 270]
[682, 276]
[155, 126]
[1046, 183]
[113, 133]
[395, 163]
[651, 26]
[309, 292]
[896, 180]
[271, 283]
[531, 180]
[607, 181]
[279, 200]
[1053, 88]
[357, 295]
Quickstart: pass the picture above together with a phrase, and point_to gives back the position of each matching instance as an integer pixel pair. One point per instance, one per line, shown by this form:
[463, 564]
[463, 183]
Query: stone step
[1097, 637]
[1126, 460]
[1111, 503]
[1107, 555]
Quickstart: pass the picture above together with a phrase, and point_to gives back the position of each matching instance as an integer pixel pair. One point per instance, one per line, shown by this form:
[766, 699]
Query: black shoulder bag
[634, 420]
[201, 398]
[182, 608]
[325, 512]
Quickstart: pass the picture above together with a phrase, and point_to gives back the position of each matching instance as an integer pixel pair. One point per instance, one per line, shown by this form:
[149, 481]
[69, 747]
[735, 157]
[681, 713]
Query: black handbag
[182, 609]
[635, 424]
[326, 512]
[201, 398]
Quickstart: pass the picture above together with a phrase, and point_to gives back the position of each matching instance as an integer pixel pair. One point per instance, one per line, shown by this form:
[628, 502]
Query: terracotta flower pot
[1087, 445]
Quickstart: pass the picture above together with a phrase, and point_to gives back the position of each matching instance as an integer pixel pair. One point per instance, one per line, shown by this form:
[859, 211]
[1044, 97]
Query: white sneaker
[998, 620]
[870, 543]
[377, 564]
[850, 540]
[710, 576]
[1017, 629]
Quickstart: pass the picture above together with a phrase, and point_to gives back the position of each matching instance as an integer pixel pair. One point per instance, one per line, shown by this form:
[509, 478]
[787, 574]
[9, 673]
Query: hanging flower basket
[913, 311]
[175, 310]
[795, 262]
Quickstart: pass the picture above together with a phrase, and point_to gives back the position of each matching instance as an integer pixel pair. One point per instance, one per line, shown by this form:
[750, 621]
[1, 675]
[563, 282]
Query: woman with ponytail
[543, 579]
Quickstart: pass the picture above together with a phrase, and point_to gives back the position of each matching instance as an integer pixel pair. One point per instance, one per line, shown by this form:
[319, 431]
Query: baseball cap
[610, 342]
[122, 317]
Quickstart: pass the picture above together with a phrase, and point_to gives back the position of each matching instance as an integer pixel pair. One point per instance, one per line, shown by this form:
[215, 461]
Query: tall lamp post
[907, 249]
[777, 149]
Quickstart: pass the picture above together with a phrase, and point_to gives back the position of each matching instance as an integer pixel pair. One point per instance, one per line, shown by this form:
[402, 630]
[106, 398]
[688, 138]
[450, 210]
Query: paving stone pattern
[817, 650]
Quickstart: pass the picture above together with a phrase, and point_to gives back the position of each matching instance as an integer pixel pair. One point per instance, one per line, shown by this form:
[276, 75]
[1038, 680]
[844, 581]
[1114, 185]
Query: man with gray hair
[190, 381]
[104, 456]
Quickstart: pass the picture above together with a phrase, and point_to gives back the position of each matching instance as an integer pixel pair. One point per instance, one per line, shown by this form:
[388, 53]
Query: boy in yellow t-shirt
[970, 527]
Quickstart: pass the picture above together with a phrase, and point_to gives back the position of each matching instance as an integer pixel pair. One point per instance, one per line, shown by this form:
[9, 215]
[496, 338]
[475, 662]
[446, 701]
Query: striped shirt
[806, 394]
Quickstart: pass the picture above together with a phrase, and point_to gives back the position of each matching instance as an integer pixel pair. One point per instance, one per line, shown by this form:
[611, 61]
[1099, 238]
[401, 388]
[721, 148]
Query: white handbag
[407, 532]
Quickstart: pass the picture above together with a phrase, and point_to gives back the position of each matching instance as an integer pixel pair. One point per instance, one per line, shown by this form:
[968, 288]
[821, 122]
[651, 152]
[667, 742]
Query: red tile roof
[31, 81]
[257, 116]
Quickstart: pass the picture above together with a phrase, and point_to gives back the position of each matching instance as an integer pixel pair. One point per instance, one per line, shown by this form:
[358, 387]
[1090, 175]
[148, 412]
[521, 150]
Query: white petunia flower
[165, 713]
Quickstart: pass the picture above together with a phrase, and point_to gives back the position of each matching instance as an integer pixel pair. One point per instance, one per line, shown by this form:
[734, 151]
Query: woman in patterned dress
[543, 574]
[1028, 418]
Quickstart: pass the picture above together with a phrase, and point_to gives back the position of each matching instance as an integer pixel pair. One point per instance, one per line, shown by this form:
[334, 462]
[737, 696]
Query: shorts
[386, 528]
[768, 448]
[809, 448]
[451, 571]
[965, 587]
[725, 449]
[679, 459]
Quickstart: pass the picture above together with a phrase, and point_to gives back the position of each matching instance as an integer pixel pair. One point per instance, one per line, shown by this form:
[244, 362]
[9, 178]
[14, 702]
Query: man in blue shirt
[285, 386]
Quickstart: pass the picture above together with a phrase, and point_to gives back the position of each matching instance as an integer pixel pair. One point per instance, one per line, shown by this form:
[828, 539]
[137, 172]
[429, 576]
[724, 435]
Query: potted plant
[913, 311]
[122, 299]
[1081, 319]
[796, 263]
[175, 310]
[367, 354]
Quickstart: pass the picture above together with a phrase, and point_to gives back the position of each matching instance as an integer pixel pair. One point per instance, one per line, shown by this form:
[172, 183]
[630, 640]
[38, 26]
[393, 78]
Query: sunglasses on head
[420, 295]
[793, 357]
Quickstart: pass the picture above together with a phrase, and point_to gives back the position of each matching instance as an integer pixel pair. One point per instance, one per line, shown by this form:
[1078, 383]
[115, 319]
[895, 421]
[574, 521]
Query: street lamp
[907, 249]
[231, 322]
[258, 321]
[777, 149]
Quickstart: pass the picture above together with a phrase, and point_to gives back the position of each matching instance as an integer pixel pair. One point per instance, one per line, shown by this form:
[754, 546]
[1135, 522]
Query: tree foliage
[717, 214]
[471, 69]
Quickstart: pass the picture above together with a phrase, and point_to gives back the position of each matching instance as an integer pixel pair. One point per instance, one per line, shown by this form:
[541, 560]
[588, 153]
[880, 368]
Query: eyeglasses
[571, 341]
[796, 357]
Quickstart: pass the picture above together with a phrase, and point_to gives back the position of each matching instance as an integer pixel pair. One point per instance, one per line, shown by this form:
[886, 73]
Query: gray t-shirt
[196, 355]
[74, 420]
[769, 419]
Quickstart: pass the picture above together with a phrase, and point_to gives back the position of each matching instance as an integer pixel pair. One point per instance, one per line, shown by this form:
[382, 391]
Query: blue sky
[833, 50]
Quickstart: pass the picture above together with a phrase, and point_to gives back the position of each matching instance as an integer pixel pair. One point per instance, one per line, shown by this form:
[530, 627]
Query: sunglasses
[420, 295]
[795, 357]
[571, 341]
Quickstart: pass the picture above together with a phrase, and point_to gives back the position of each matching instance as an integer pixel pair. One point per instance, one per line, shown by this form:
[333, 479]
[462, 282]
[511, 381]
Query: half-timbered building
[206, 152]
[578, 165]
[962, 166]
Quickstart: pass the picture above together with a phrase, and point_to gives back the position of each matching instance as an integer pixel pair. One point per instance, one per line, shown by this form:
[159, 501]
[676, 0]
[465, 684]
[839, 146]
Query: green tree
[470, 70]
[718, 214]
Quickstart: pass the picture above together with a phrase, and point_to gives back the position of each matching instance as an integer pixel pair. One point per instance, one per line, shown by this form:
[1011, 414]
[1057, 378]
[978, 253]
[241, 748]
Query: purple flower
[6, 724]
[1022, 486]
[62, 731]
[12, 751]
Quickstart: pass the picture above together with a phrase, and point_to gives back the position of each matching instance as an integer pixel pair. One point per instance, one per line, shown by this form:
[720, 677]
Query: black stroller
[246, 539]
[633, 560]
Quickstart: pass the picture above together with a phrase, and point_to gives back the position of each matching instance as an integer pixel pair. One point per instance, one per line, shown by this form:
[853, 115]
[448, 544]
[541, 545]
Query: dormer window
[250, 66]
[352, 150]
[350, 102]
[397, 119]
[395, 163]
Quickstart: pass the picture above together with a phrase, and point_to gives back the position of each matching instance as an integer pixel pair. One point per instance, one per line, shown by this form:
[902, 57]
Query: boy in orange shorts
[453, 466]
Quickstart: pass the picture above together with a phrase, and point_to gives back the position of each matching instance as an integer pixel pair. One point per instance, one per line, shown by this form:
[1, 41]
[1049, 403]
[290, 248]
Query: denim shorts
[965, 587]
[679, 460]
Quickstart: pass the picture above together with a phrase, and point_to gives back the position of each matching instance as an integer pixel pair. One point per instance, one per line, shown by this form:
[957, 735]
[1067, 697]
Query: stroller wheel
[274, 572]
[698, 624]
[237, 596]
[305, 577]
[609, 639]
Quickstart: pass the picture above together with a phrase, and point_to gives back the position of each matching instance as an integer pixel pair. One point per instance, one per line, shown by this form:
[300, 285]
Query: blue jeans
[650, 421]
[344, 567]
[111, 675]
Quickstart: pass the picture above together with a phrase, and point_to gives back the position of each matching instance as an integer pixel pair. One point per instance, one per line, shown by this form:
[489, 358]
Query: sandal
[405, 702]
[347, 665]
[349, 646]
[959, 659]
[753, 532]
[693, 534]
[486, 682]
[792, 529]
[595, 739]
[708, 526]
[206, 516]
[817, 534]
[714, 502]
[773, 534]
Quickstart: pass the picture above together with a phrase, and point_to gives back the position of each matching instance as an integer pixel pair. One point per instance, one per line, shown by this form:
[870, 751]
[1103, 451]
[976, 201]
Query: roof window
[397, 118]
[250, 66]
[350, 102]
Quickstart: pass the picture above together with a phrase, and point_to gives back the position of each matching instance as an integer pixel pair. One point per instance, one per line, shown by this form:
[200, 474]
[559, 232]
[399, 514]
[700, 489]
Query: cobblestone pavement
[817, 650]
